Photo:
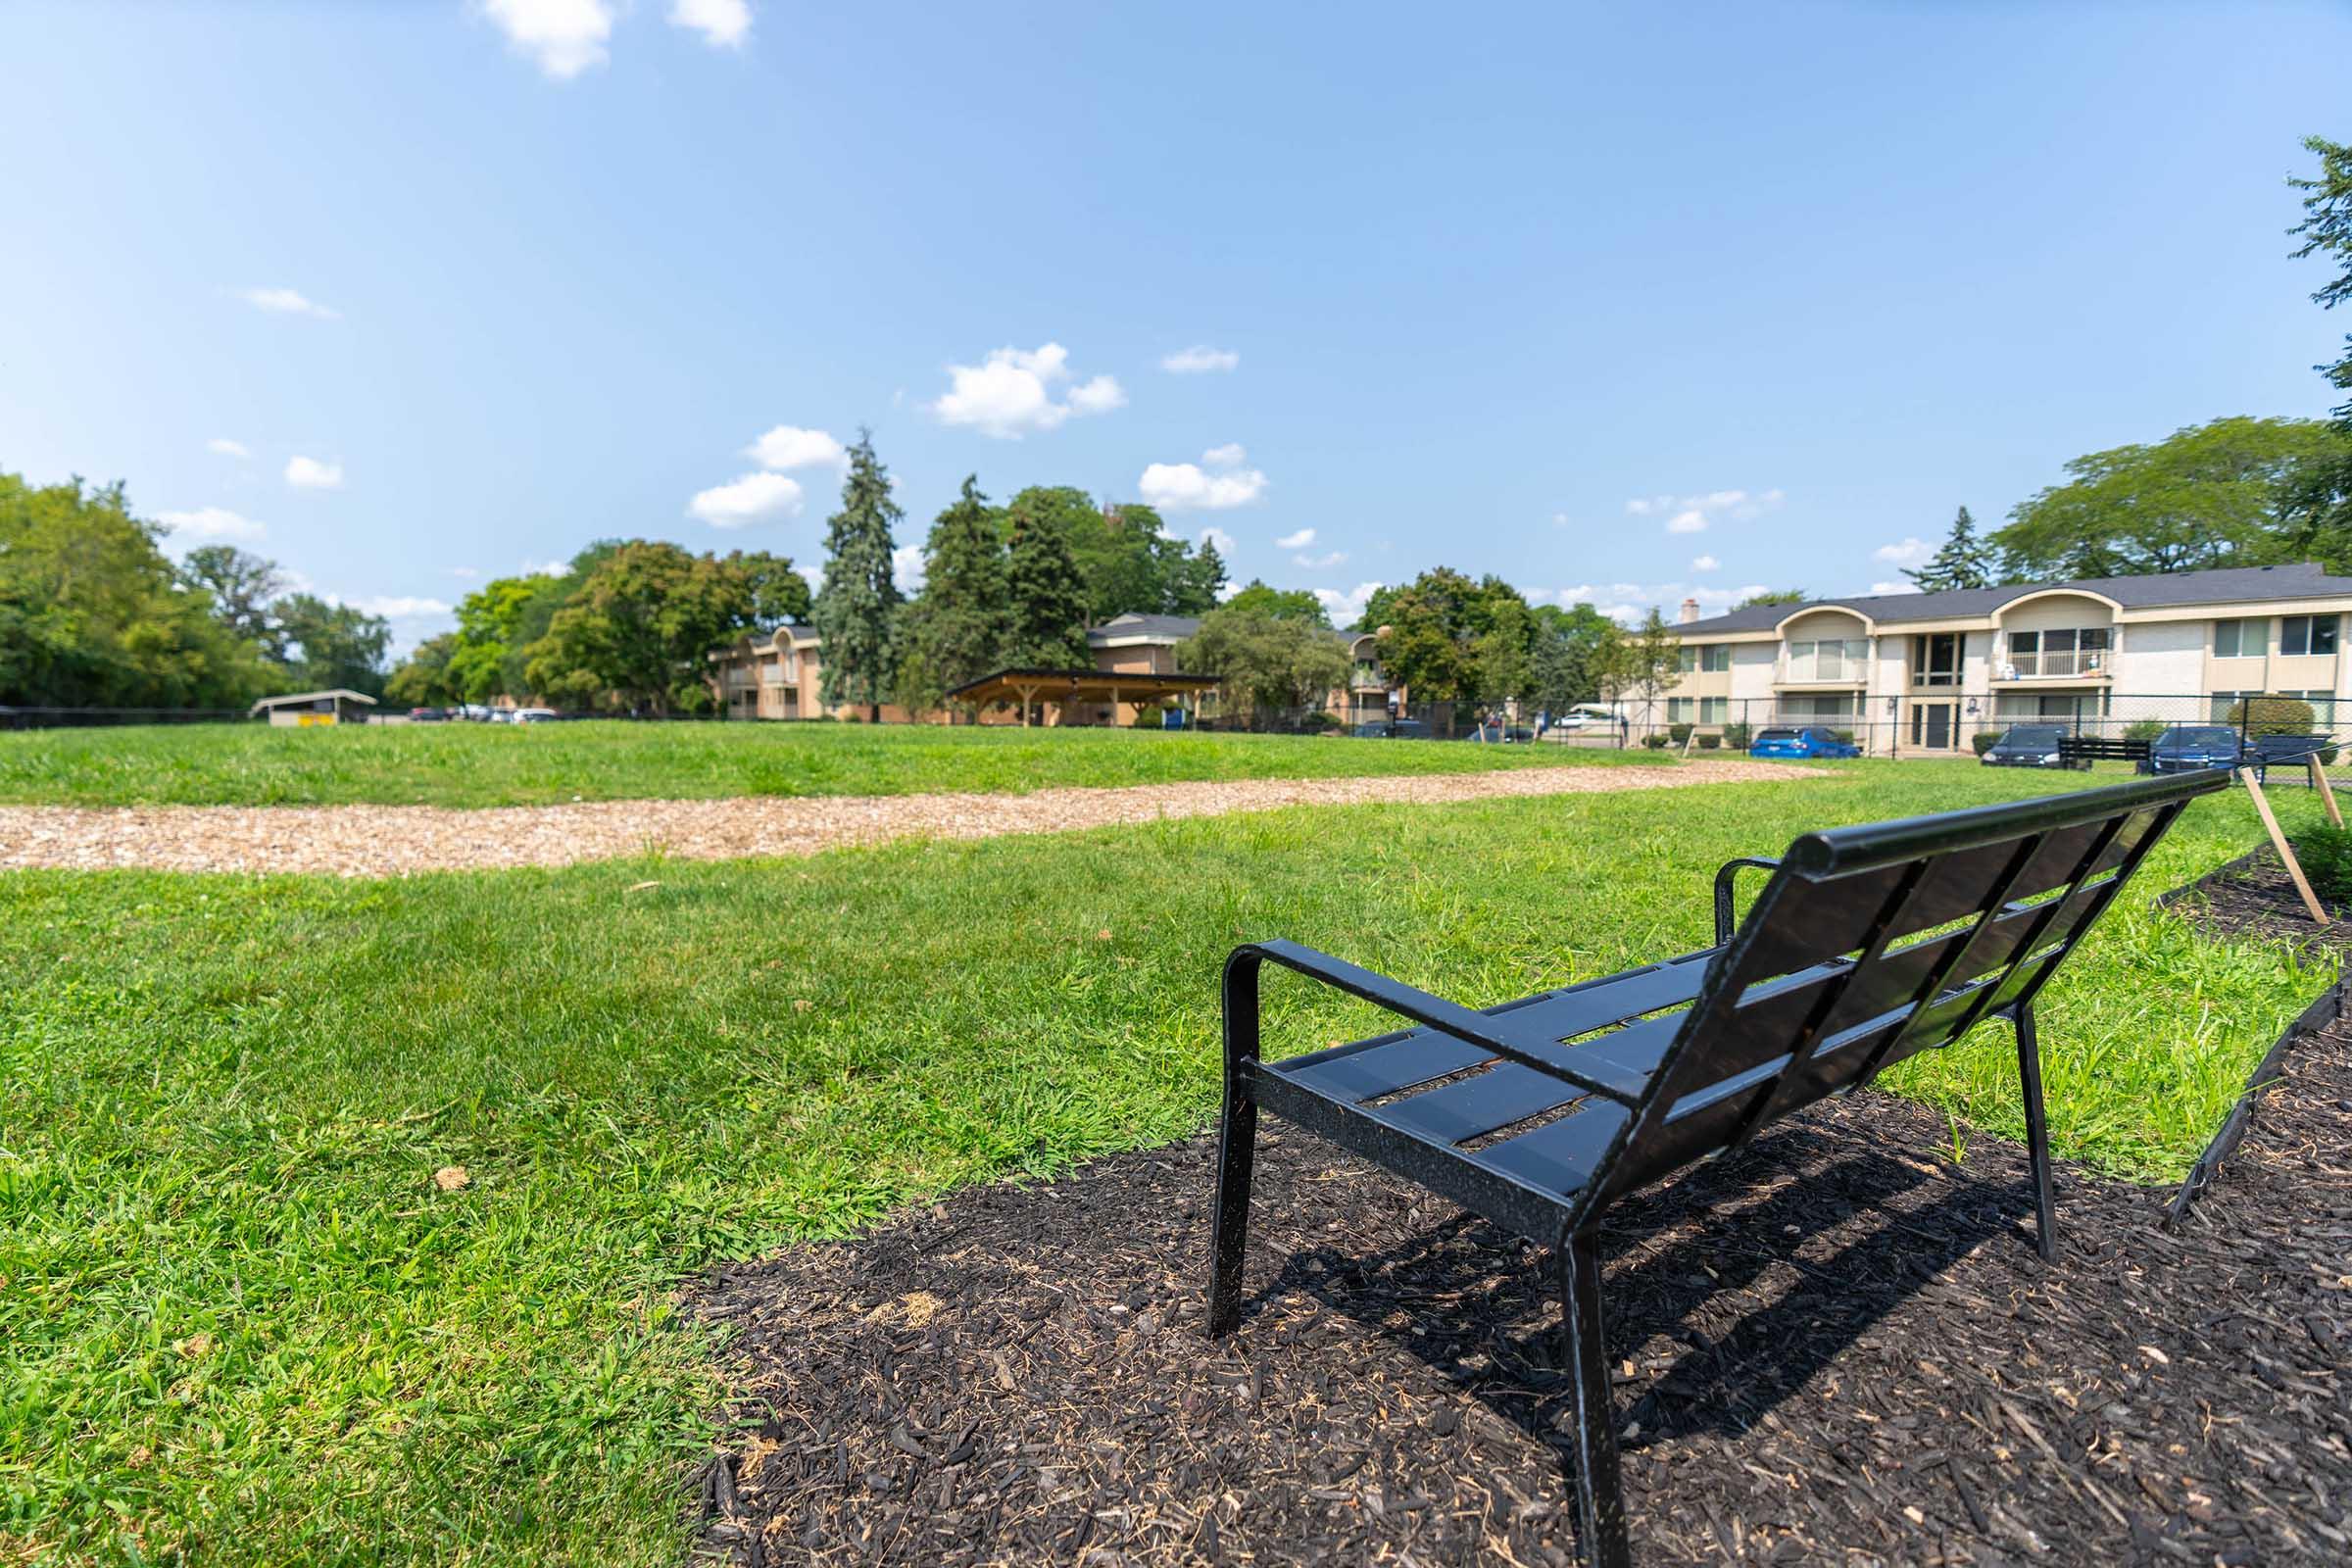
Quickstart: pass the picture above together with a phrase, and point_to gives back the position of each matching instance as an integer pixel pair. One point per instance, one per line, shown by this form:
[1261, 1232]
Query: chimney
[1689, 611]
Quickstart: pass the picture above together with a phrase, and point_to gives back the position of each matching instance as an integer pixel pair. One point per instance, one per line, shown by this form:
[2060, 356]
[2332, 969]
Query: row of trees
[94, 614]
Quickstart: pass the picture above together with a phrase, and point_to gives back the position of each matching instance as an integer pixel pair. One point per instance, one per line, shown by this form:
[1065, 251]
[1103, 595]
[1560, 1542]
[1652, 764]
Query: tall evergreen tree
[966, 617]
[1963, 561]
[858, 609]
[1047, 595]
[2319, 493]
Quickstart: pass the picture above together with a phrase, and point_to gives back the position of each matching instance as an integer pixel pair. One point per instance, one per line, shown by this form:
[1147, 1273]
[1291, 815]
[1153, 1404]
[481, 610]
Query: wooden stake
[2294, 868]
[2319, 781]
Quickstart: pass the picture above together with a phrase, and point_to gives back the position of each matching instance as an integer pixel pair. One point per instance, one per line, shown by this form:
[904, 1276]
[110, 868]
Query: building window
[2224, 702]
[1831, 658]
[2079, 651]
[2239, 639]
[1685, 659]
[1715, 658]
[1809, 710]
[1678, 709]
[2306, 634]
[1936, 659]
[1714, 710]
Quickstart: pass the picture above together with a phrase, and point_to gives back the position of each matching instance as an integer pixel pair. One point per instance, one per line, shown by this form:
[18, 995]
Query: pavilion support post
[1028, 695]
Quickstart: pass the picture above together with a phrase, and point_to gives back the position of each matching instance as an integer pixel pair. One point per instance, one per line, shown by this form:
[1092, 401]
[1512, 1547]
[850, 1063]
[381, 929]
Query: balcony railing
[2046, 667]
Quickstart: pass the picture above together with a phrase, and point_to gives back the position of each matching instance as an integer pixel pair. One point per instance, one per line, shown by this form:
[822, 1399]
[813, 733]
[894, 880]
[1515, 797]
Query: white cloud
[1229, 455]
[546, 569]
[1906, 586]
[788, 446]
[723, 24]
[287, 302]
[226, 448]
[468, 573]
[1296, 541]
[814, 576]
[562, 37]
[1320, 563]
[1344, 609]
[1200, 359]
[1010, 394]
[1560, 519]
[1705, 564]
[1693, 513]
[398, 606]
[1186, 486]
[309, 473]
[1910, 552]
[1220, 538]
[212, 524]
[748, 500]
[907, 568]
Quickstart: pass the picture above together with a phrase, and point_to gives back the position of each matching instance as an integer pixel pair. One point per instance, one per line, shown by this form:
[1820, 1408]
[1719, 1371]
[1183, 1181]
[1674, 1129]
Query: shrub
[1656, 743]
[2146, 729]
[1708, 743]
[1983, 739]
[1678, 733]
[2273, 716]
[1845, 735]
[1738, 736]
[2326, 855]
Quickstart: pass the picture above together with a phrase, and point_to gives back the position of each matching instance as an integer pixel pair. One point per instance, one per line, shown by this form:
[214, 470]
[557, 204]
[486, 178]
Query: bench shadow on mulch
[1839, 1347]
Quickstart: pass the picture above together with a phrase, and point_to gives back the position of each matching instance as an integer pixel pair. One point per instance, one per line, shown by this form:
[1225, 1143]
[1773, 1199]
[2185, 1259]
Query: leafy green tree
[490, 638]
[91, 613]
[331, 646]
[423, 679]
[242, 586]
[1045, 592]
[640, 631]
[1776, 595]
[1649, 660]
[2319, 497]
[1573, 654]
[1267, 661]
[963, 621]
[780, 594]
[1451, 640]
[2209, 495]
[1127, 561]
[856, 609]
[1963, 561]
[1283, 603]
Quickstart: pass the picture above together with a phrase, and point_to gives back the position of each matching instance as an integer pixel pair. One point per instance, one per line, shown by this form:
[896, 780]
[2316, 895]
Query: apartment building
[777, 674]
[1920, 674]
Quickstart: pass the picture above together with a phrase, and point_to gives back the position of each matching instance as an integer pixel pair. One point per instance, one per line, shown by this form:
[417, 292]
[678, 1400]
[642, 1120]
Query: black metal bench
[1867, 944]
[2081, 750]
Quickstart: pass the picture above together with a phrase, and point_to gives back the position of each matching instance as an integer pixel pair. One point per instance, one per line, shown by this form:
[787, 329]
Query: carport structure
[1025, 688]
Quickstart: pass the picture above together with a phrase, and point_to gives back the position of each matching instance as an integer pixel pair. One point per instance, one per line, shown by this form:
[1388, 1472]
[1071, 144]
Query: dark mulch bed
[1839, 1347]
[2255, 896]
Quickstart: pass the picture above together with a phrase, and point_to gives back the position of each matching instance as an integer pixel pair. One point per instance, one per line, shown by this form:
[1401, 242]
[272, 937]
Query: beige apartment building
[1920, 674]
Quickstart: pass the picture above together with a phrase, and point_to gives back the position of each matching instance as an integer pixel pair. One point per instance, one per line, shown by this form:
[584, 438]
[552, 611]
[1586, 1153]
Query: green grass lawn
[243, 1326]
[535, 764]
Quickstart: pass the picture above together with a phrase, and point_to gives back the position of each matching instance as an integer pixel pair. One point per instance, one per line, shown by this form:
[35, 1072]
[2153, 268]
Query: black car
[2188, 748]
[1501, 734]
[2026, 746]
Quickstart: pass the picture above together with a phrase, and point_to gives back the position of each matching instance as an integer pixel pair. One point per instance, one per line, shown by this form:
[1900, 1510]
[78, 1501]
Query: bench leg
[2037, 1131]
[1600, 1498]
[1237, 1149]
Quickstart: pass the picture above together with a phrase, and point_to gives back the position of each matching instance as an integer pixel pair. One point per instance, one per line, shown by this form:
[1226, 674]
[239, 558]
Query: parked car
[427, 715]
[1808, 741]
[2026, 746]
[1393, 729]
[1502, 734]
[534, 716]
[2188, 748]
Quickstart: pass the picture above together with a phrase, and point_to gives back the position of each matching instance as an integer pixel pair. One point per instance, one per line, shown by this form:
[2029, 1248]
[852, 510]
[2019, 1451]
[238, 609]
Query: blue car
[2189, 748]
[1810, 741]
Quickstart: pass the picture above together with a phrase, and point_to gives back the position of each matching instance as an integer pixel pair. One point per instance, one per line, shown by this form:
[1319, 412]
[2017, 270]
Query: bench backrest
[2076, 747]
[1873, 943]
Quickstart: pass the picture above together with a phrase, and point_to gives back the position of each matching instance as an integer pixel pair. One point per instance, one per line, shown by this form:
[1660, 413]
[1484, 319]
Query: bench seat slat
[1367, 1069]
[1559, 1157]
[1474, 1106]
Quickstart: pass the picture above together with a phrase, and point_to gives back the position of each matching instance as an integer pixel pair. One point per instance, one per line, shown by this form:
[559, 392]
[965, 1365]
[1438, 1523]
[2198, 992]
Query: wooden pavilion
[1026, 687]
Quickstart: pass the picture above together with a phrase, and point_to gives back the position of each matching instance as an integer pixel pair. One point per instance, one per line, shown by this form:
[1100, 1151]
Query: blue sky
[406, 295]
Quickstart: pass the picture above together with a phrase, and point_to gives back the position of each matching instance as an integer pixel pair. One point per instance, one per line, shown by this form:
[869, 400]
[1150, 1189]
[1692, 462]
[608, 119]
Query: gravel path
[396, 840]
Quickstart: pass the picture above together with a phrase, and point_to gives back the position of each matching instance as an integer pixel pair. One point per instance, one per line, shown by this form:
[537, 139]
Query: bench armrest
[1465, 1024]
[1725, 876]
